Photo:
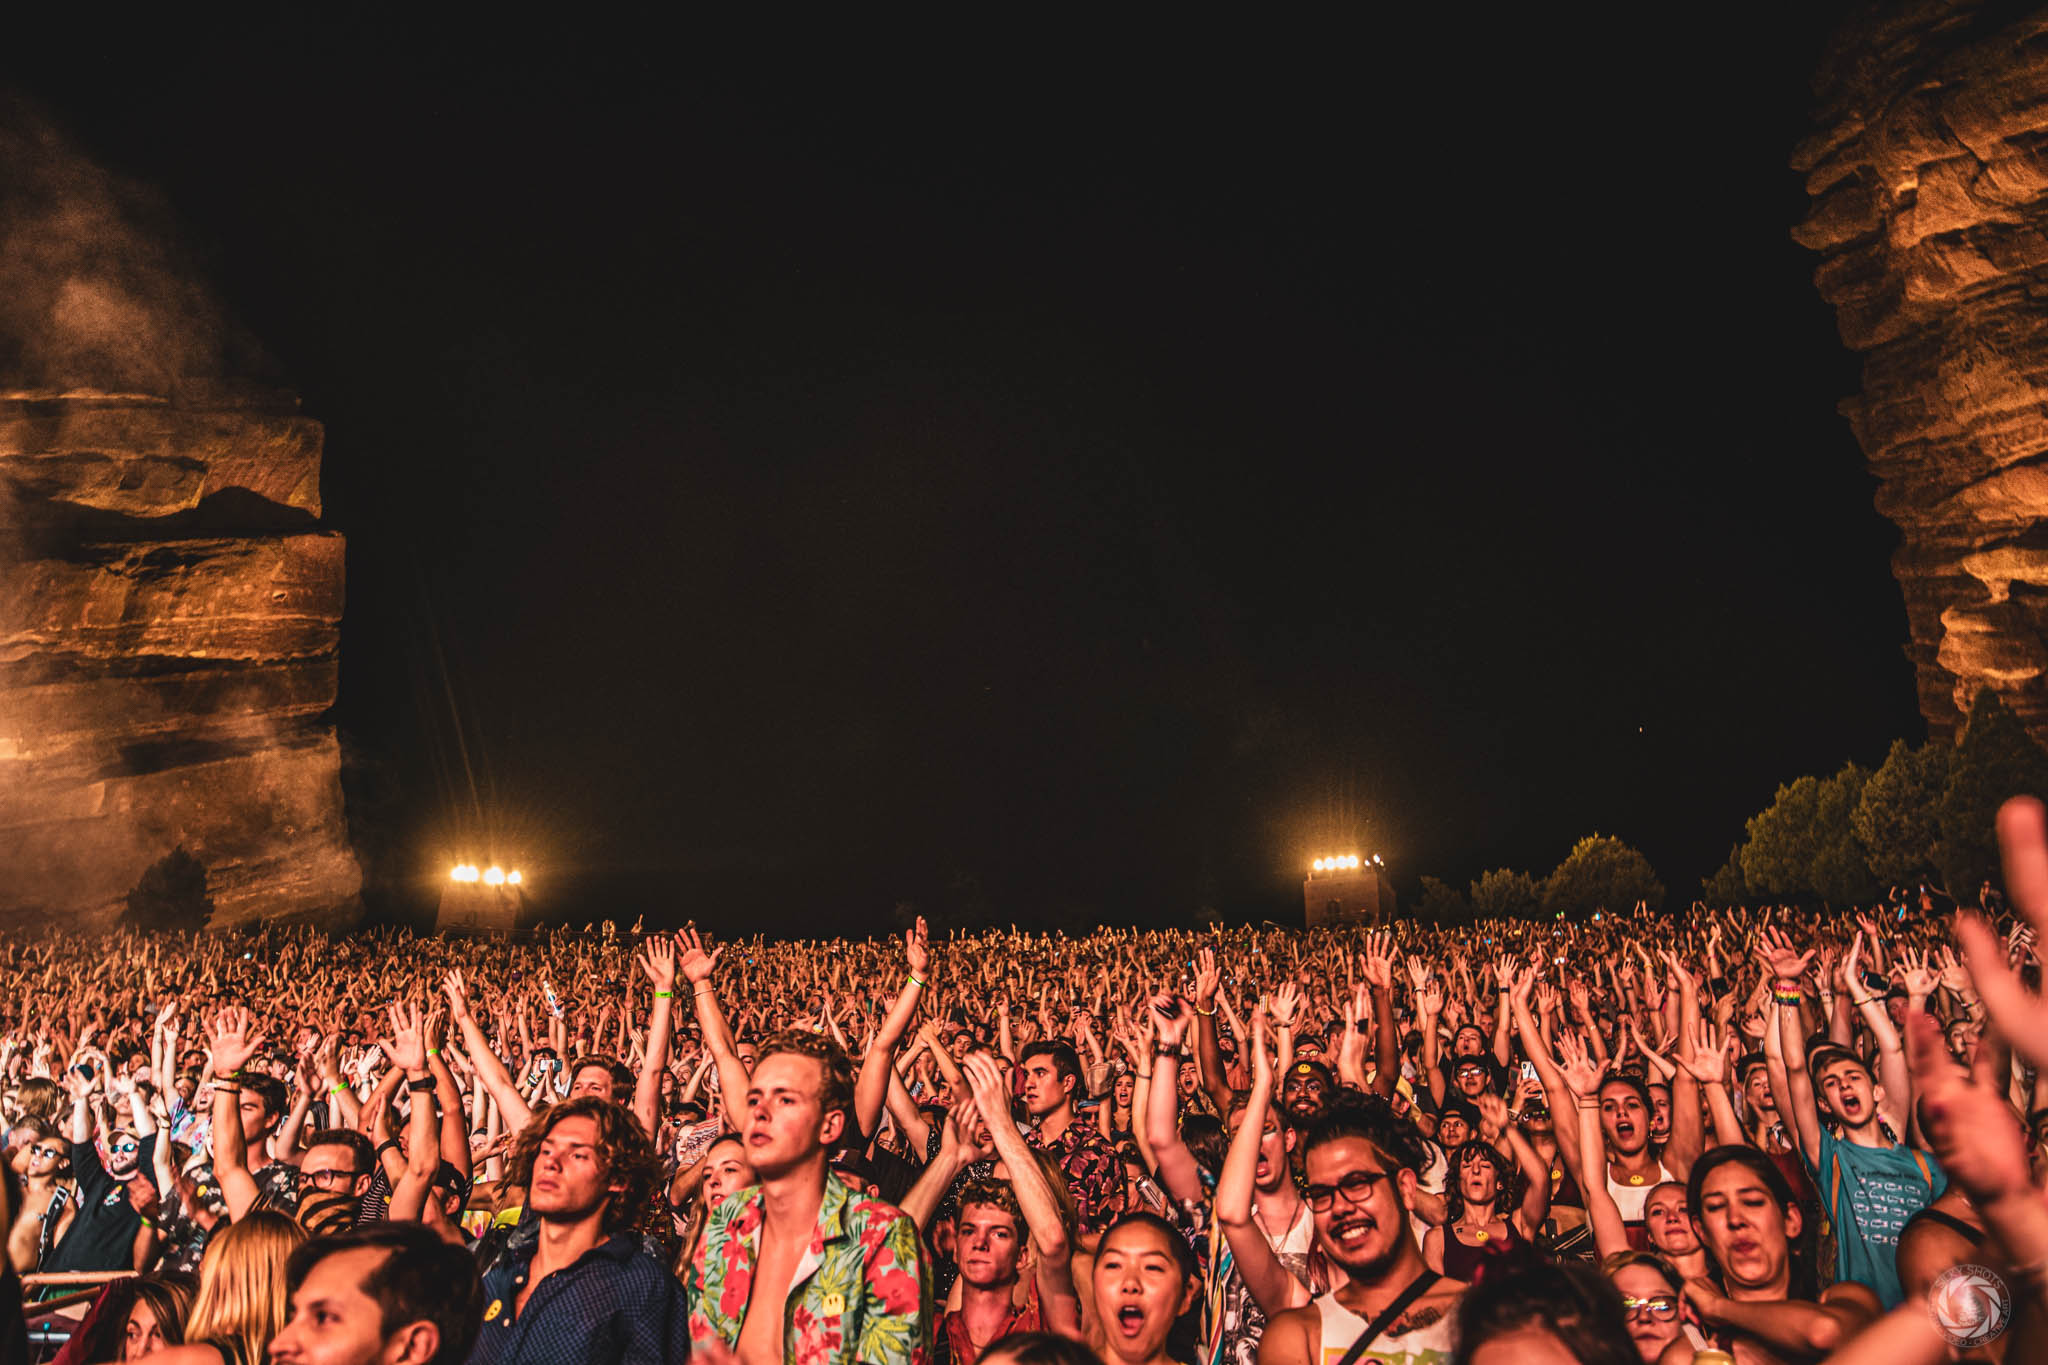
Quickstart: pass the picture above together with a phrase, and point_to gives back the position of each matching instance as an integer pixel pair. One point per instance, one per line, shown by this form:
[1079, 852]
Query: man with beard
[111, 1198]
[1871, 1184]
[584, 1289]
[1361, 1177]
[1052, 1075]
[800, 1267]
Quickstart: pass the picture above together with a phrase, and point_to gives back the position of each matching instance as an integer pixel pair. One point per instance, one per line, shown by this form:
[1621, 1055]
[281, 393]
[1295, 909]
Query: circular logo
[1970, 1304]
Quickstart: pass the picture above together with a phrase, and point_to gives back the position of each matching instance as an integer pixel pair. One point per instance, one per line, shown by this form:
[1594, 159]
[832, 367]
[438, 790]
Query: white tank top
[1631, 1198]
[1429, 1345]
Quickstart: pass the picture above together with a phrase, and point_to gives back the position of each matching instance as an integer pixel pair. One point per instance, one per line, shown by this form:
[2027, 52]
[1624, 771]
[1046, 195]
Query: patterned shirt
[861, 1292]
[613, 1306]
[1095, 1174]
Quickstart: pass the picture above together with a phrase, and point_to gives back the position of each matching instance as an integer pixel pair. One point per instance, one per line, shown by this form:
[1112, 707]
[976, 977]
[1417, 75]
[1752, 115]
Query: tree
[1441, 903]
[1996, 759]
[1777, 858]
[1601, 873]
[171, 895]
[1897, 818]
[1502, 894]
[1727, 886]
[1839, 874]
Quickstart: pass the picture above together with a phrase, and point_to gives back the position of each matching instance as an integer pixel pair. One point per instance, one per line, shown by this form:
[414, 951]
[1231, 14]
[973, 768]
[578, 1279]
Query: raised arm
[1784, 964]
[1058, 1300]
[1379, 975]
[697, 965]
[1554, 1088]
[407, 1049]
[231, 1042]
[1272, 1286]
[871, 1090]
[657, 958]
[1892, 1072]
[1208, 1056]
[490, 1072]
[1176, 1164]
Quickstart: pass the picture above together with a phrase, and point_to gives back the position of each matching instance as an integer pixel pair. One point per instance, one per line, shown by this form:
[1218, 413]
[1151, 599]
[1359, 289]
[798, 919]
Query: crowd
[1782, 1135]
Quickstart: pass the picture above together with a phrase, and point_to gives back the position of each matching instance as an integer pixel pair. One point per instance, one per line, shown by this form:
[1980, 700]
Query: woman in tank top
[1494, 1207]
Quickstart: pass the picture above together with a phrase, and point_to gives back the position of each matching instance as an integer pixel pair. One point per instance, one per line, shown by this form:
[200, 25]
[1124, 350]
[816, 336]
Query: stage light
[464, 872]
[494, 877]
[513, 878]
[1351, 861]
[1318, 864]
[1376, 861]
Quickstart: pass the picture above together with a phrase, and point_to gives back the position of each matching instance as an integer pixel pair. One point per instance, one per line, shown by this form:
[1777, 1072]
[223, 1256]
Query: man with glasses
[1360, 1161]
[337, 1161]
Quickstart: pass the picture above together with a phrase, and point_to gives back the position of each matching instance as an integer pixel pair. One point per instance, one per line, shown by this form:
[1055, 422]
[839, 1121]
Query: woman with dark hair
[1478, 1232]
[1145, 1282]
[1748, 1219]
[1530, 1311]
[132, 1318]
[1037, 1348]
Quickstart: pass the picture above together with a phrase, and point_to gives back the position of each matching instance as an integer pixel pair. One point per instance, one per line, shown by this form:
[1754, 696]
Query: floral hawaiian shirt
[1095, 1174]
[862, 1292]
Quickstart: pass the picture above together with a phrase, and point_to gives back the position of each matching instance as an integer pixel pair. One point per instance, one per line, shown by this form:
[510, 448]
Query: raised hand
[657, 959]
[1915, 973]
[989, 1082]
[458, 996]
[1208, 979]
[1378, 960]
[1980, 1145]
[1954, 975]
[917, 949]
[1493, 1115]
[407, 1045]
[1779, 956]
[1284, 1003]
[1708, 1063]
[1581, 1071]
[1170, 1019]
[695, 962]
[1429, 1003]
[232, 1040]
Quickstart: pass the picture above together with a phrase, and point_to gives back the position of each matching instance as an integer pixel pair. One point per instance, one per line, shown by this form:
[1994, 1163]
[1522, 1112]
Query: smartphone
[554, 1005]
[1528, 1071]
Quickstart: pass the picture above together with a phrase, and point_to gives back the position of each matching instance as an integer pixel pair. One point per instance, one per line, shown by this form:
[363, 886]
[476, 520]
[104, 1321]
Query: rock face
[169, 628]
[1929, 177]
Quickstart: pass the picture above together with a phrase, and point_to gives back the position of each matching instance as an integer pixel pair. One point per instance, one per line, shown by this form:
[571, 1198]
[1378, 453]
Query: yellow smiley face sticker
[834, 1305]
[491, 1313]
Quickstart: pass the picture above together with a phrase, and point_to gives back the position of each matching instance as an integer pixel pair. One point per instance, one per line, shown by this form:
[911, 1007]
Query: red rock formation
[169, 625]
[1929, 177]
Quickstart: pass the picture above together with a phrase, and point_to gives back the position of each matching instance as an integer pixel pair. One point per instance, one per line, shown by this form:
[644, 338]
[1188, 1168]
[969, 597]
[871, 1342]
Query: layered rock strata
[1929, 179]
[170, 609]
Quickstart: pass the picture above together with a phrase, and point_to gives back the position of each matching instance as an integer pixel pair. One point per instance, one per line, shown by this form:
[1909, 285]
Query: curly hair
[1507, 1193]
[996, 1194]
[835, 1088]
[624, 1153]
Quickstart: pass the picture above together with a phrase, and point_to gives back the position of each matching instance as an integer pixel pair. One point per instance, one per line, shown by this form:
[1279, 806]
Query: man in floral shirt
[801, 1269]
[1095, 1177]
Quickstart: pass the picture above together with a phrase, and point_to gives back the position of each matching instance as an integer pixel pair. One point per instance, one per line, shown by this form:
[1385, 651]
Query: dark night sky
[1076, 473]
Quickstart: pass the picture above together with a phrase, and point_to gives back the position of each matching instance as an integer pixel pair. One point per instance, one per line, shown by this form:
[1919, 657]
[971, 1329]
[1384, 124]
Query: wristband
[1145, 1075]
[1163, 1050]
[1207, 1013]
[1859, 1004]
[915, 982]
[1589, 1104]
[420, 1086]
[433, 1052]
[337, 1089]
[664, 995]
[701, 988]
[223, 1086]
[387, 1145]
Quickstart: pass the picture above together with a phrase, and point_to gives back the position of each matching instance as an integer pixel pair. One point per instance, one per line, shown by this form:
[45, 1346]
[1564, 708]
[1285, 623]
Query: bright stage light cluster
[489, 876]
[1345, 863]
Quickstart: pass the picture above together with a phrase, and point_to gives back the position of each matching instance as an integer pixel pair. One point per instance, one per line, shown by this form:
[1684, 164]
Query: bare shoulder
[1293, 1336]
[1432, 1307]
[196, 1353]
[1856, 1297]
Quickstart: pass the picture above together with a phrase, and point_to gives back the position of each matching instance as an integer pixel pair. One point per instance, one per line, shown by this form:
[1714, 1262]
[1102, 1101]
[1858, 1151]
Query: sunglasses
[1661, 1306]
[125, 1147]
[49, 1153]
[1356, 1187]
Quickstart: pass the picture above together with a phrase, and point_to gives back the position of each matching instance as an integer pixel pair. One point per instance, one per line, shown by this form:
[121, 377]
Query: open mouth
[1624, 1129]
[1353, 1231]
[1130, 1319]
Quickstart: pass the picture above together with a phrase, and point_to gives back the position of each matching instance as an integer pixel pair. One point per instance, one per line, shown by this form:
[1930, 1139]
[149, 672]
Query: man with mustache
[1361, 1181]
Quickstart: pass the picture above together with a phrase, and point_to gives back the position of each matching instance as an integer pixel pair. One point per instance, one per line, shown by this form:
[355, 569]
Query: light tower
[1347, 888]
[481, 899]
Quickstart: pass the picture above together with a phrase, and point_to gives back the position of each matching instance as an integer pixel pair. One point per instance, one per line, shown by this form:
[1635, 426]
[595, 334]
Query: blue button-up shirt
[613, 1306]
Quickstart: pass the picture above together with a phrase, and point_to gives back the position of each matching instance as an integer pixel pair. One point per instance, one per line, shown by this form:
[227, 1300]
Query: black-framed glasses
[327, 1180]
[1356, 1187]
[1663, 1307]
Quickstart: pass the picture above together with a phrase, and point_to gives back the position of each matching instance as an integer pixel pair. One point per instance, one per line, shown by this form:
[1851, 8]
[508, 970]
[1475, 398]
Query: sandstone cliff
[1929, 177]
[169, 626]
